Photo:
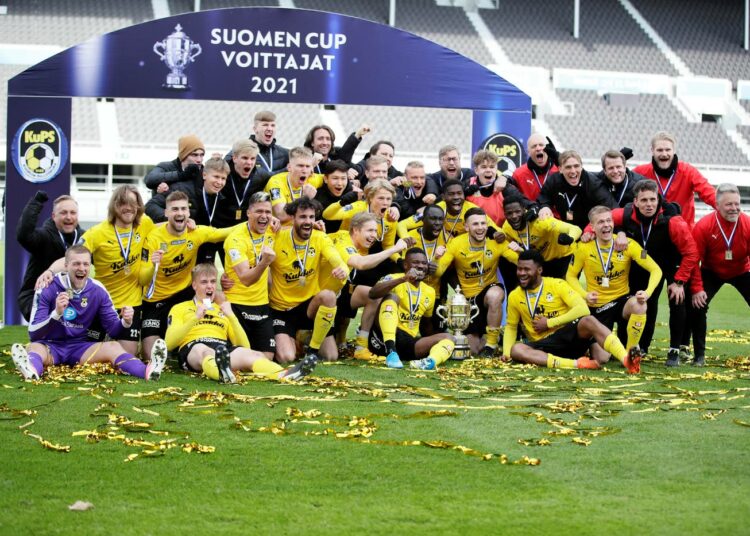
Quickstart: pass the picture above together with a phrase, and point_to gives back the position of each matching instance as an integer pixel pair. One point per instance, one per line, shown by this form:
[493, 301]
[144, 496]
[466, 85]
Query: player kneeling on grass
[211, 340]
[61, 316]
[556, 322]
[406, 310]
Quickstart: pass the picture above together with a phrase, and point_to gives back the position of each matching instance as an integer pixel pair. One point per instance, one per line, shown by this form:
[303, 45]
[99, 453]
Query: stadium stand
[597, 126]
[372, 10]
[447, 26]
[411, 129]
[151, 122]
[68, 22]
[185, 6]
[85, 125]
[541, 34]
[707, 35]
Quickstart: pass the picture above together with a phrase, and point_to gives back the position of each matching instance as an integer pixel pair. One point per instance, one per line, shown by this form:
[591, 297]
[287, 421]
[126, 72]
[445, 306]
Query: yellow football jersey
[413, 303]
[296, 269]
[476, 266]
[542, 236]
[179, 258]
[281, 190]
[343, 243]
[612, 283]
[429, 248]
[244, 246]
[118, 277]
[553, 299]
[214, 325]
[454, 224]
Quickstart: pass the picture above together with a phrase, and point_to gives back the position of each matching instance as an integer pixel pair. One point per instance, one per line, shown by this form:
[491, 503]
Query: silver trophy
[458, 314]
[177, 51]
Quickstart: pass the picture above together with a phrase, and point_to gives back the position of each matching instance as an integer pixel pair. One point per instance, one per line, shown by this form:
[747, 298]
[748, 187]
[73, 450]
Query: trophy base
[176, 82]
[461, 351]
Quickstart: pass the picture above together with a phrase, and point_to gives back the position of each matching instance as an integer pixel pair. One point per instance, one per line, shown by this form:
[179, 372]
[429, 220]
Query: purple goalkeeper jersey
[88, 307]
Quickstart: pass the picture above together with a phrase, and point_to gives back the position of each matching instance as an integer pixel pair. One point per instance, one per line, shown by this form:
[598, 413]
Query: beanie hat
[188, 144]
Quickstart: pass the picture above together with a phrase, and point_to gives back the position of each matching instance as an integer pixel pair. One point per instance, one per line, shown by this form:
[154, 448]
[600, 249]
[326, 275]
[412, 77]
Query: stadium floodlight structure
[245, 54]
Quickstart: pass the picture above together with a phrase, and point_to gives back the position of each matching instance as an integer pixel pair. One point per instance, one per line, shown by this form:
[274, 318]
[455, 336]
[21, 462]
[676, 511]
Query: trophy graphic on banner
[458, 312]
[177, 50]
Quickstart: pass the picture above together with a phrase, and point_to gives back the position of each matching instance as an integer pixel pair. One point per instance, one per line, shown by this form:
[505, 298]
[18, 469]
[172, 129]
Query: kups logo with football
[508, 149]
[39, 150]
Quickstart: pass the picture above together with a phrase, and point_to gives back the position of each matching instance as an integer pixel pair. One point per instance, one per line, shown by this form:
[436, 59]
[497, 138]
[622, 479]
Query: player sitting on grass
[61, 316]
[211, 340]
[557, 324]
[405, 311]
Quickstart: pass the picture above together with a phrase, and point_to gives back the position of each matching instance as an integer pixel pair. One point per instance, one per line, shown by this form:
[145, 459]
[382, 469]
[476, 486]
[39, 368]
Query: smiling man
[47, 243]
[607, 273]
[556, 323]
[248, 254]
[62, 314]
[616, 176]
[572, 192]
[678, 181]
[210, 339]
[297, 301]
[336, 188]
[171, 251]
[723, 242]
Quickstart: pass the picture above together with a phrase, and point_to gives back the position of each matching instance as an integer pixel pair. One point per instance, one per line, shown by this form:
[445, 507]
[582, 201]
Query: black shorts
[212, 343]
[154, 314]
[95, 331]
[478, 326]
[564, 342]
[258, 325]
[291, 321]
[610, 313]
[344, 307]
[405, 344]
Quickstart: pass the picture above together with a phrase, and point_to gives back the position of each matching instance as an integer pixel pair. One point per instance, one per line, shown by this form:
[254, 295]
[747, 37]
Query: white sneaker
[21, 360]
[158, 360]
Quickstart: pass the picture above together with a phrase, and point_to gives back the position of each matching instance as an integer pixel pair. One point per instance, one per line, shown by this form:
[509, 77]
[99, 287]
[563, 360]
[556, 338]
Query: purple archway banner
[263, 54]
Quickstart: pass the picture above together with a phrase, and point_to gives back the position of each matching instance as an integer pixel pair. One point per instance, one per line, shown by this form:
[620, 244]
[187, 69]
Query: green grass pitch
[362, 448]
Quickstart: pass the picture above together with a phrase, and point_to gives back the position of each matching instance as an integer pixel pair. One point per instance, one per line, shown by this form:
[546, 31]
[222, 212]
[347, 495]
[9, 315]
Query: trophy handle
[474, 311]
[163, 46]
[197, 47]
[437, 311]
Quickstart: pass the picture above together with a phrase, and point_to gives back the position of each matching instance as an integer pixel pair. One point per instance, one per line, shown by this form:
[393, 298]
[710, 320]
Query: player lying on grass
[556, 322]
[61, 316]
[211, 340]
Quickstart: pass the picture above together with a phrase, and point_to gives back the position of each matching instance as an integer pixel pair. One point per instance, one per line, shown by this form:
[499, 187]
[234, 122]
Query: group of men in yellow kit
[283, 274]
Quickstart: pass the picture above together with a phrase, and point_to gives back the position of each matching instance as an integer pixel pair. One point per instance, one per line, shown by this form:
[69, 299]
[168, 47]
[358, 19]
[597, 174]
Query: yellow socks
[388, 318]
[323, 322]
[635, 328]
[441, 351]
[613, 345]
[361, 340]
[267, 368]
[210, 369]
[493, 336]
[559, 362]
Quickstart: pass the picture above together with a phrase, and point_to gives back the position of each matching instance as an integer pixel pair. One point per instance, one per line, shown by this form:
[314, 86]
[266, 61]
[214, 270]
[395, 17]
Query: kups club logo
[508, 149]
[39, 150]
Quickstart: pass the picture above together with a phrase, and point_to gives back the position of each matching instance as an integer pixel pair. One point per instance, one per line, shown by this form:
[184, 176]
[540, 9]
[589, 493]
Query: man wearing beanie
[188, 166]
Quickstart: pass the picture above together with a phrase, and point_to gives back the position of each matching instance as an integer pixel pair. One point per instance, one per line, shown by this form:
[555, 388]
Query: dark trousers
[678, 313]
[711, 284]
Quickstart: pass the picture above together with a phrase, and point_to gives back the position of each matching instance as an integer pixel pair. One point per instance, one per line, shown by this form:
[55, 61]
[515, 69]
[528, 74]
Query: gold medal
[644, 254]
[126, 270]
[238, 215]
[301, 281]
[605, 282]
[569, 215]
[728, 255]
